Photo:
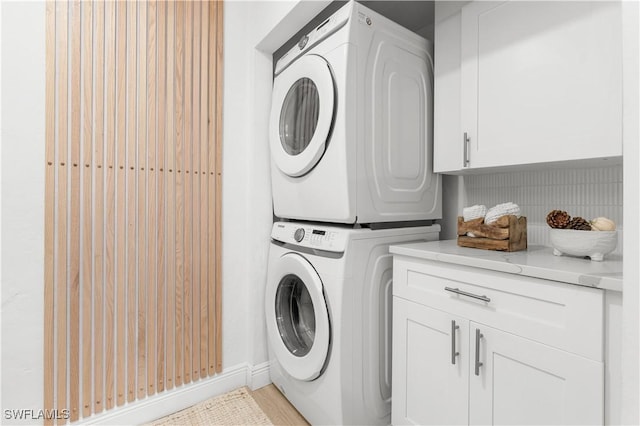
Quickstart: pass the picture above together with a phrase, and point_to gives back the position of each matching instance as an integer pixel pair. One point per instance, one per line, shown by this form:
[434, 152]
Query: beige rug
[233, 408]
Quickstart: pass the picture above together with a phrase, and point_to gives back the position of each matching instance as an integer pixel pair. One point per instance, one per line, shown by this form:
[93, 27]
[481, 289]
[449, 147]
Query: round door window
[302, 109]
[295, 315]
[299, 116]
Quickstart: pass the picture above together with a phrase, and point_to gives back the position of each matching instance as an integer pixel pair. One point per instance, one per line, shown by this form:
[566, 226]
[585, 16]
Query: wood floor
[276, 406]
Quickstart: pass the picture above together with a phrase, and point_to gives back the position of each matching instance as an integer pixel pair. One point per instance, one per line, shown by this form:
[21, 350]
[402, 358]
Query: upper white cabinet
[520, 82]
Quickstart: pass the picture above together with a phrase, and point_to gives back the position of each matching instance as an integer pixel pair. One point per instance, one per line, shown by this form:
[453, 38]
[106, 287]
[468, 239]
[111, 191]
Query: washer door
[297, 317]
[301, 114]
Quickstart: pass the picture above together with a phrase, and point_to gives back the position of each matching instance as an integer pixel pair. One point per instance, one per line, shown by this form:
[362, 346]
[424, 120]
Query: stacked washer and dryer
[352, 172]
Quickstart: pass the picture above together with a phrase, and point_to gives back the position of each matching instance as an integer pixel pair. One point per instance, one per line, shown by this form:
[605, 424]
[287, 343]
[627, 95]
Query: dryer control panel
[312, 236]
[319, 33]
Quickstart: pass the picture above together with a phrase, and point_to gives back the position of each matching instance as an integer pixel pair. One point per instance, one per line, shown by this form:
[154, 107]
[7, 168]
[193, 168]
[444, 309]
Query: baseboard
[168, 402]
[258, 376]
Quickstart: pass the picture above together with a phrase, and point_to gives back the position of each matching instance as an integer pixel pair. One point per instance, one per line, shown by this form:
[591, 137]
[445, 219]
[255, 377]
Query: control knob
[303, 42]
[299, 234]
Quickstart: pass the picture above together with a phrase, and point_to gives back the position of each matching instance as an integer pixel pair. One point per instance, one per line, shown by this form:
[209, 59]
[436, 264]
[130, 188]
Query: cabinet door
[541, 81]
[447, 137]
[427, 387]
[524, 382]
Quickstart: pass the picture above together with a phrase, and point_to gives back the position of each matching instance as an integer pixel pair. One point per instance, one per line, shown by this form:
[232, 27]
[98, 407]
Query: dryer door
[302, 108]
[297, 318]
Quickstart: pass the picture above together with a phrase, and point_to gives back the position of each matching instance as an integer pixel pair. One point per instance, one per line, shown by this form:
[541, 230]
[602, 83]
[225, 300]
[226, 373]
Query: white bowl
[594, 244]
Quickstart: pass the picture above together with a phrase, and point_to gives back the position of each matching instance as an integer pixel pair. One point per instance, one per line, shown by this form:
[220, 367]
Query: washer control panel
[311, 236]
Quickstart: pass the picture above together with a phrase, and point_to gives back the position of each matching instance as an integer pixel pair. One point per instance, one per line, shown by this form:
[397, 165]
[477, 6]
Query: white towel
[474, 212]
[500, 210]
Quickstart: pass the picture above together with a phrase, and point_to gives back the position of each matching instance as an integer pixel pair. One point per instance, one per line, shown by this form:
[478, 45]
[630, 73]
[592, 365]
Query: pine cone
[579, 224]
[558, 219]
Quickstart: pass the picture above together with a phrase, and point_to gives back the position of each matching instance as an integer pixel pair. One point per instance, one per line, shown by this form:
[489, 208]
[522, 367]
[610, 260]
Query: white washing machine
[351, 124]
[328, 312]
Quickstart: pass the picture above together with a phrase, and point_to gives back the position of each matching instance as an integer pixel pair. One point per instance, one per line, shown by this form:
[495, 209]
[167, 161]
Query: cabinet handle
[478, 363]
[454, 354]
[464, 293]
[465, 144]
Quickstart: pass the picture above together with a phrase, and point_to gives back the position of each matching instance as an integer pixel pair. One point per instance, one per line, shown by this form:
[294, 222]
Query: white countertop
[536, 261]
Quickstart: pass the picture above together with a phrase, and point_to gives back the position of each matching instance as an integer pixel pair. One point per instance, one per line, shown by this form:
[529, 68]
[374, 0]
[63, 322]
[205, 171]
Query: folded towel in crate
[474, 212]
[500, 210]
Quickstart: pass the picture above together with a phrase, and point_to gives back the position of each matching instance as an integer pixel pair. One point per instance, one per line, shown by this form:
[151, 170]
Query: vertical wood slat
[141, 190]
[218, 188]
[211, 175]
[87, 184]
[62, 22]
[49, 204]
[193, 206]
[131, 205]
[99, 214]
[109, 335]
[151, 220]
[159, 26]
[130, 171]
[178, 82]
[204, 141]
[120, 199]
[170, 205]
[186, 179]
[74, 223]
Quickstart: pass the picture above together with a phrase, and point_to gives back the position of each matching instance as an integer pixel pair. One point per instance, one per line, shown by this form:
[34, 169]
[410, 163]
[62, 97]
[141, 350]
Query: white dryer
[351, 124]
[328, 314]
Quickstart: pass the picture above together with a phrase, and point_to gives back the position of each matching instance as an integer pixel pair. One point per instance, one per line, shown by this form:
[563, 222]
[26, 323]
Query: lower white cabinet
[516, 381]
[428, 388]
[464, 368]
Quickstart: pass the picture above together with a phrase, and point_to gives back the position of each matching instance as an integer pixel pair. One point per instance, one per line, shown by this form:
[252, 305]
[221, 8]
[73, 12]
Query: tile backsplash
[586, 192]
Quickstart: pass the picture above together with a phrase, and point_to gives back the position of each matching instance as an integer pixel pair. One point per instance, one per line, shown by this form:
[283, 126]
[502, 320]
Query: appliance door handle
[478, 363]
[465, 293]
[454, 354]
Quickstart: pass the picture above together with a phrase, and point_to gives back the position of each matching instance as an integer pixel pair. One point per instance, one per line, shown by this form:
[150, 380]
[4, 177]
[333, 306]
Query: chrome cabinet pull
[464, 293]
[465, 155]
[478, 363]
[454, 354]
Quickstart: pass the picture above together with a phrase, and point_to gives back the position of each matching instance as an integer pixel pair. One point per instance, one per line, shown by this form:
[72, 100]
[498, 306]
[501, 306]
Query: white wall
[22, 190]
[631, 151]
[237, 248]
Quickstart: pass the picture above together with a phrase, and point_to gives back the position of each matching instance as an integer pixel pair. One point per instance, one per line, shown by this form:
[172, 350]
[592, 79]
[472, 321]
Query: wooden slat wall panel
[62, 50]
[120, 199]
[132, 207]
[99, 214]
[179, 185]
[187, 188]
[49, 204]
[130, 171]
[145, 47]
[159, 26]
[152, 259]
[195, 182]
[204, 192]
[87, 191]
[170, 189]
[217, 210]
[74, 223]
[211, 178]
[110, 78]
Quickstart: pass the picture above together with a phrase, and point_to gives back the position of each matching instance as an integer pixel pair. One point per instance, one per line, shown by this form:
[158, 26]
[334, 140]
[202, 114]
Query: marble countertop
[536, 261]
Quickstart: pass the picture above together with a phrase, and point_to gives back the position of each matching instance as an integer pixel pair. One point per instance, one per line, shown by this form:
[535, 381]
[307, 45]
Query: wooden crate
[508, 233]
